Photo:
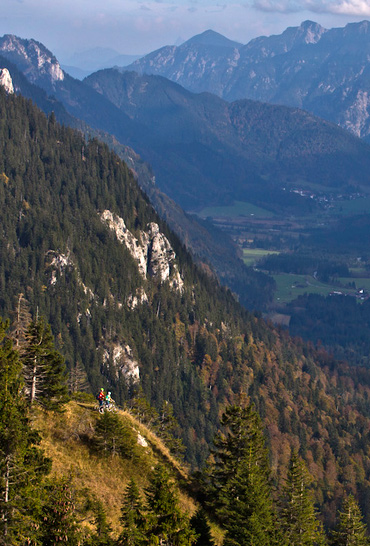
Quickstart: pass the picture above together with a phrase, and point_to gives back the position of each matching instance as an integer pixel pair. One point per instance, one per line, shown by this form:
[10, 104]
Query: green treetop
[240, 481]
[22, 463]
[132, 519]
[298, 516]
[166, 522]
[44, 369]
[350, 530]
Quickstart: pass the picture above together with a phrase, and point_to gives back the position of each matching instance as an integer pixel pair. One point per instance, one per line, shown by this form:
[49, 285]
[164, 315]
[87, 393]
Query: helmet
[102, 389]
[109, 392]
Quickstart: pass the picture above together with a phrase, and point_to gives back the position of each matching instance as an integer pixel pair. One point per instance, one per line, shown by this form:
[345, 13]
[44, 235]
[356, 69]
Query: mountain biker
[108, 399]
[101, 397]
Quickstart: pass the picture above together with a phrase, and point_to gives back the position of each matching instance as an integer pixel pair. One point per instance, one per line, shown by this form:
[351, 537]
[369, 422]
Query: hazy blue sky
[137, 27]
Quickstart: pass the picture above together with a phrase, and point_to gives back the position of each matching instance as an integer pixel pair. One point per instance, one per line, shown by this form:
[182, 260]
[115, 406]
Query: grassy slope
[65, 440]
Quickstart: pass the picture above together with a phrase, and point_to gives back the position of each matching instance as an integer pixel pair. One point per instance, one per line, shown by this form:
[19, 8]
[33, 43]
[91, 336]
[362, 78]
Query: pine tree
[166, 523]
[299, 522]
[59, 523]
[141, 408]
[113, 437]
[240, 482]
[201, 528]
[167, 427]
[77, 379]
[22, 463]
[132, 518]
[44, 368]
[21, 322]
[103, 531]
[350, 530]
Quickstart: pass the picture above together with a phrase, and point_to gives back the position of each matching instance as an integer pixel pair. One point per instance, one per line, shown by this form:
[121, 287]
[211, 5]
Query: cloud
[343, 7]
[280, 6]
[352, 7]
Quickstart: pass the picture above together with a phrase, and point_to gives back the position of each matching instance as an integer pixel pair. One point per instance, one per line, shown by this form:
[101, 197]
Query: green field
[239, 208]
[252, 255]
[353, 206]
[360, 282]
[290, 286]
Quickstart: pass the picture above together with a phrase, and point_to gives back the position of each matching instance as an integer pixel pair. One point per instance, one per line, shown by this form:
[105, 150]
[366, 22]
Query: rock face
[323, 71]
[57, 263]
[139, 298]
[153, 252]
[36, 62]
[121, 357]
[6, 80]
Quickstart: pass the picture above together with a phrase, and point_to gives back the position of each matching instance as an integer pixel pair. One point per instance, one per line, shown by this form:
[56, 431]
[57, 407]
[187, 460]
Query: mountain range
[323, 71]
[202, 149]
[197, 142]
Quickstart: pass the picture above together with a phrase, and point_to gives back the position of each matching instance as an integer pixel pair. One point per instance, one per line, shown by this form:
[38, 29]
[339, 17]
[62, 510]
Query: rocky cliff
[152, 251]
[36, 62]
[6, 80]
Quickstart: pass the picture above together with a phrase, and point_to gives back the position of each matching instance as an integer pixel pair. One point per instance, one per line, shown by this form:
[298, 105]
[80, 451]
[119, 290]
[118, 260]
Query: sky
[136, 27]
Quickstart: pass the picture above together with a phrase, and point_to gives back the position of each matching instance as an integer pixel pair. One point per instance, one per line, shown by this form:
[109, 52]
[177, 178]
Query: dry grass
[66, 441]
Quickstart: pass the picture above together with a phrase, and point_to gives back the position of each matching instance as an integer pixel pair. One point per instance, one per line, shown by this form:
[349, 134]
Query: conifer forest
[228, 431]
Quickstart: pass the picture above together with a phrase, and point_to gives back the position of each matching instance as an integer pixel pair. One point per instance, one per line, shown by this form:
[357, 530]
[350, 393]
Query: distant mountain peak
[309, 31]
[310, 24]
[34, 58]
[211, 38]
[363, 27]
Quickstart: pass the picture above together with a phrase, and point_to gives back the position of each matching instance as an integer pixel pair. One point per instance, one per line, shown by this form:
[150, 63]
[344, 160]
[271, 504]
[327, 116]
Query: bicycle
[111, 407]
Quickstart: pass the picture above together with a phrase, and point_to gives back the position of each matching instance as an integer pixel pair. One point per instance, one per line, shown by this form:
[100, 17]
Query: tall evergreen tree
[167, 428]
[103, 530]
[350, 530]
[240, 481]
[113, 437]
[21, 322]
[202, 529]
[44, 368]
[132, 518]
[298, 516]
[22, 463]
[166, 522]
[77, 379]
[59, 523]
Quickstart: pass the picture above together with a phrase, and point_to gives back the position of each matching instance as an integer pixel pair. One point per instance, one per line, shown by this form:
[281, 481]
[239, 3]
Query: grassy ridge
[67, 440]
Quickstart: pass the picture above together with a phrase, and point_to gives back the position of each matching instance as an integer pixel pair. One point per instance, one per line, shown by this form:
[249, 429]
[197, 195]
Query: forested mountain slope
[126, 304]
[197, 142]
